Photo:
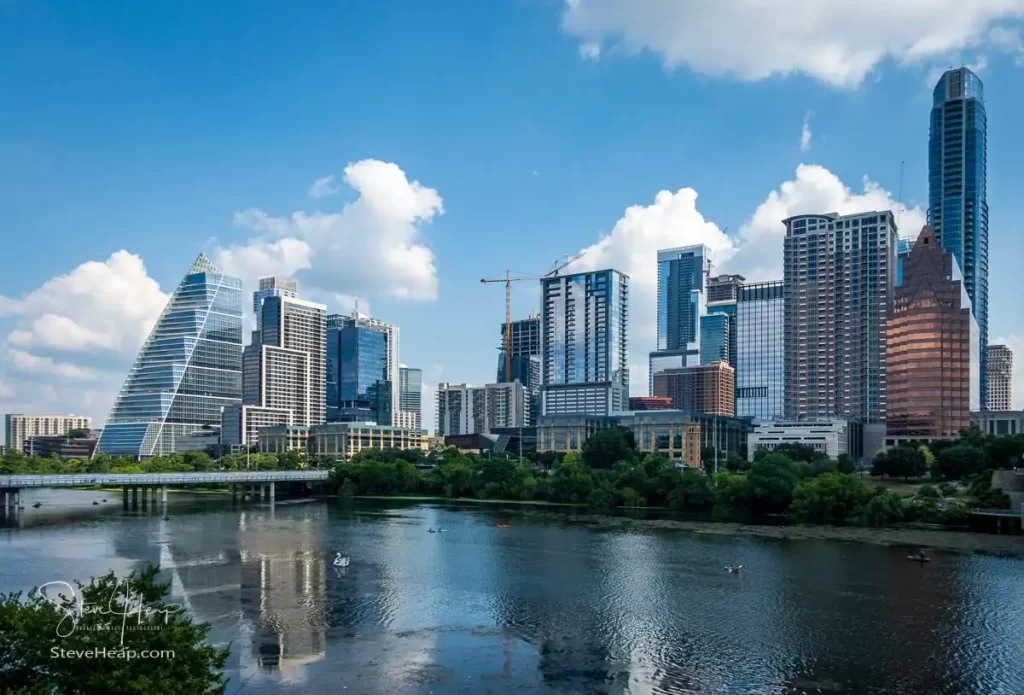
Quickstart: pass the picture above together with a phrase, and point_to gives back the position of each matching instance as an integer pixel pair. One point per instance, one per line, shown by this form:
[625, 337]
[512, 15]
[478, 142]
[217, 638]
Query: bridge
[260, 484]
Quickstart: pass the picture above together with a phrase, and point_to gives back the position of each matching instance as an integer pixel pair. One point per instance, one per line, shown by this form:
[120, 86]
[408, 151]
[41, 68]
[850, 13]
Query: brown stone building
[928, 350]
[709, 388]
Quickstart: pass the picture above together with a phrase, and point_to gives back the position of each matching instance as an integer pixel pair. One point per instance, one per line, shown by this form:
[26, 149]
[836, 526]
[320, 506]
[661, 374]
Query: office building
[706, 388]
[827, 437]
[583, 343]
[723, 296]
[188, 370]
[681, 303]
[284, 374]
[760, 349]
[80, 446]
[1000, 378]
[650, 403]
[363, 370]
[271, 287]
[715, 338]
[929, 346]
[465, 409]
[19, 428]
[345, 439]
[957, 195]
[839, 276]
[999, 422]
[410, 397]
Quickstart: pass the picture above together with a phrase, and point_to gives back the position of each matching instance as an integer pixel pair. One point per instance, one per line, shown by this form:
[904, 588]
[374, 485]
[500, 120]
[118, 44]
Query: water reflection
[548, 607]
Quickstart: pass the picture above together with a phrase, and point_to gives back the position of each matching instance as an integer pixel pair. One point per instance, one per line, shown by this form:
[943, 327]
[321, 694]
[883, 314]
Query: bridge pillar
[234, 493]
[152, 494]
[135, 497]
[271, 490]
[163, 494]
[124, 495]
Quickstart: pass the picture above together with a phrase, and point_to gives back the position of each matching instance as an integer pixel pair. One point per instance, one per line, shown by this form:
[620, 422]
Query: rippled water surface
[544, 606]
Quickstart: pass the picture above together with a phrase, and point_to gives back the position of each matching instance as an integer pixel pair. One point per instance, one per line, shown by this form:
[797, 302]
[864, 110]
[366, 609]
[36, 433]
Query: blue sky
[531, 127]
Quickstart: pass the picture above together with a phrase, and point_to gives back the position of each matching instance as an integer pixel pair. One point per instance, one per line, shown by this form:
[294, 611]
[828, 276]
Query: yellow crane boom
[508, 280]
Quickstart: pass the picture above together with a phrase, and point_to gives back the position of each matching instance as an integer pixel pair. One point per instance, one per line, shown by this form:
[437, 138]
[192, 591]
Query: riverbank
[952, 541]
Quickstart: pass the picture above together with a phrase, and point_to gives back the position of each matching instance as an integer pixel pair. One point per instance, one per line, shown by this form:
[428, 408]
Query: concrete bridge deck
[255, 483]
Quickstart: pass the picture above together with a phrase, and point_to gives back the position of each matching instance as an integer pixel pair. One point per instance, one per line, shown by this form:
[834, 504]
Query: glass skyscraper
[410, 394]
[271, 287]
[715, 338]
[188, 369]
[957, 198]
[760, 351]
[681, 303]
[362, 370]
[583, 343]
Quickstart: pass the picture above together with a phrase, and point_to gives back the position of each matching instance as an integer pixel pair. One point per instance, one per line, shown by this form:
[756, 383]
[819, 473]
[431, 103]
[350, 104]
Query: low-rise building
[64, 447]
[830, 437]
[19, 428]
[241, 424]
[340, 439]
[707, 388]
[677, 434]
[280, 439]
[999, 422]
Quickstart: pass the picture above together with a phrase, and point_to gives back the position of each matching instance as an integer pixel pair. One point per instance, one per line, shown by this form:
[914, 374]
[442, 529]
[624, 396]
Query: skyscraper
[957, 196]
[715, 338]
[931, 341]
[723, 296]
[363, 370]
[681, 303]
[760, 349]
[410, 395]
[839, 275]
[583, 343]
[465, 409]
[272, 287]
[525, 361]
[189, 368]
[1000, 378]
[283, 372]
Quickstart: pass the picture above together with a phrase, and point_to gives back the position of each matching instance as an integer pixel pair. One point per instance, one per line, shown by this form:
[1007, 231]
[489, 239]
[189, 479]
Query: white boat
[341, 561]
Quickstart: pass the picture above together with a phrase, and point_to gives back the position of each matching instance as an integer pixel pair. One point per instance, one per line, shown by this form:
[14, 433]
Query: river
[544, 607]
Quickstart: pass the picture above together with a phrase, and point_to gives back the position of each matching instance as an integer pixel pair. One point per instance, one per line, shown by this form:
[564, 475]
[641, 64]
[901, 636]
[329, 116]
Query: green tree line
[17, 463]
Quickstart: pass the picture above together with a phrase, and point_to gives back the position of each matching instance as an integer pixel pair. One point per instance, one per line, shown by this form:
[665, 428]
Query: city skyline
[507, 180]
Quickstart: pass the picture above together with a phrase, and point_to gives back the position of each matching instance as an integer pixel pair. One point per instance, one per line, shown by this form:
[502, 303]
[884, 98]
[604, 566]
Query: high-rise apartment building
[583, 343]
[19, 428]
[957, 195]
[465, 409]
[363, 370]
[839, 275]
[525, 360]
[706, 388]
[1000, 378]
[410, 397]
[716, 338]
[284, 376]
[723, 296]
[188, 370]
[760, 350]
[929, 351]
[272, 287]
[681, 303]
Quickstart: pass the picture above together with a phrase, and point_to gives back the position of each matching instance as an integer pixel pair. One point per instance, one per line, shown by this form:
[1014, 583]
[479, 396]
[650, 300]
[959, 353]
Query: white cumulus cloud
[755, 251]
[109, 305]
[838, 42]
[34, 364]
[373, 247]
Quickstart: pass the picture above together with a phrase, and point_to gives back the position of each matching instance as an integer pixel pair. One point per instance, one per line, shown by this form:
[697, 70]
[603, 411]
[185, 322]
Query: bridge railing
[58, 480]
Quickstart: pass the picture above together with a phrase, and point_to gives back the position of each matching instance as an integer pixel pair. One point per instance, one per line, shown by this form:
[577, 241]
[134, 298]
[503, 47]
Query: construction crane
[508, 280]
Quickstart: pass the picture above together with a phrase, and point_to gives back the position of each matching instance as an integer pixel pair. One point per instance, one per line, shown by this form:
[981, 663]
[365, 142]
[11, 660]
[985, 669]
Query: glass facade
[410, 393]
[715, 338]
[271, 287]
[929, 352]
[188, 369]
[760, 347]
[957, 195]
[681, 300]
[364, 391]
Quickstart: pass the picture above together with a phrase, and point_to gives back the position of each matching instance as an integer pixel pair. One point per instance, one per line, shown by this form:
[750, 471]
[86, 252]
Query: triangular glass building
[188, 369]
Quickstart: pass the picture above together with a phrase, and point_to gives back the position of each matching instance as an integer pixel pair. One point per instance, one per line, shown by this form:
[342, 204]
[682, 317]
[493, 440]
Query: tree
[733, 494]
[972, 436]
[572, 482]
[31, 629]
[928, 491]
[795, 451]
[827, 499]
[693, 493]
[1003, 452]
[772, 480]
[845, 464]
[607, 446]
[903, 462]
[737, 463]
[960, 461]
[881, 509]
